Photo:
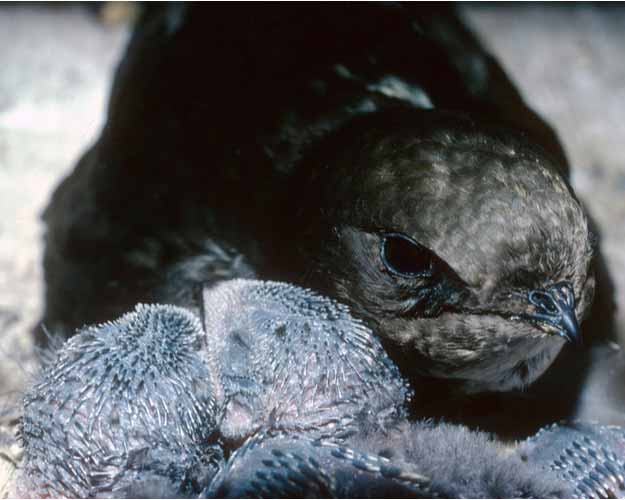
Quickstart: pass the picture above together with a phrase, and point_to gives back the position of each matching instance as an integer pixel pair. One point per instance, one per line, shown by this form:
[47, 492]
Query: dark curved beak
[555, 311]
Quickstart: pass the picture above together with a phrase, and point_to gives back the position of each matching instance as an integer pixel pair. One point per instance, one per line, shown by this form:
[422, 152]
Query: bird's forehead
[482, 213]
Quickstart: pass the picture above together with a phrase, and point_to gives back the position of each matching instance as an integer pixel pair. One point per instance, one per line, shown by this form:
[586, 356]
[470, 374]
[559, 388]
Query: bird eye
[405, 257]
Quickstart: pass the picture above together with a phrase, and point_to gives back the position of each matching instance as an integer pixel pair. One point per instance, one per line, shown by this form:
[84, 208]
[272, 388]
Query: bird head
[462, 244]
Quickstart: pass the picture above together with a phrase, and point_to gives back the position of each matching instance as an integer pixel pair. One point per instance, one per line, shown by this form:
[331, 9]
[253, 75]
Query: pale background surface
[57, 62]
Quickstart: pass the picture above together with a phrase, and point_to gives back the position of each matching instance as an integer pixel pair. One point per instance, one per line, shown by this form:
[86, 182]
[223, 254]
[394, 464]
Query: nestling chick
[288, 359]
[130, 401]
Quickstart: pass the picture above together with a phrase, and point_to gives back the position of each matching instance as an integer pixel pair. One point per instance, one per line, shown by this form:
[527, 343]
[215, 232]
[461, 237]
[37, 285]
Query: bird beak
[554, 311]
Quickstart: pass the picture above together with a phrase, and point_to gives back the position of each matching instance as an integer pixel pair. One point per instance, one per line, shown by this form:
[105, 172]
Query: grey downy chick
[123, 403]
[151, 399]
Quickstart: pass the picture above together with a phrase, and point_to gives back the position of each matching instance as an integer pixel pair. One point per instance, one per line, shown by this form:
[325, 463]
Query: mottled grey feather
[291, 359]
[416, 460]
[122, 403]
[589, 457]
[295, 466]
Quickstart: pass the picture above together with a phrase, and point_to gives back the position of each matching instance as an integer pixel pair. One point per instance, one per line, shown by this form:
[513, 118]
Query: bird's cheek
[584, 305]
[428, 346]
[463, 340]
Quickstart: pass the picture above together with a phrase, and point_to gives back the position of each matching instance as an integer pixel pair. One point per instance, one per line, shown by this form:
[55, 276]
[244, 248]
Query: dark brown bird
[376, 154]
[463, 244]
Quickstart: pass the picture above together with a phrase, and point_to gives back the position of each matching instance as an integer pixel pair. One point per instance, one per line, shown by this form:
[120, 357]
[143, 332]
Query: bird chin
[482, 353]
[498, 376]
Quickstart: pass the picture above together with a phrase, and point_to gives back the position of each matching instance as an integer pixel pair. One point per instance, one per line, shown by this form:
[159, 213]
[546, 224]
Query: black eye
[405, 257]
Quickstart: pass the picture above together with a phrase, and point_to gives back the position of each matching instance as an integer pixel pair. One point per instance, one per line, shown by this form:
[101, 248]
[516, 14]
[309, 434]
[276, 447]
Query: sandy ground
[56, 69]
[57, 63]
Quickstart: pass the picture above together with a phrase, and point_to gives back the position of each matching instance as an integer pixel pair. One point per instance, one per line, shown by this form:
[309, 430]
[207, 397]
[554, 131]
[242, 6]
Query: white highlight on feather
[392, 86]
